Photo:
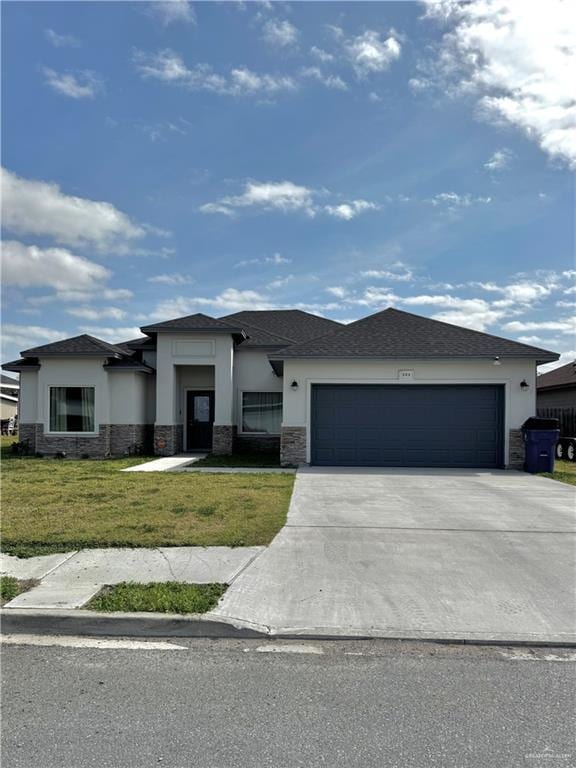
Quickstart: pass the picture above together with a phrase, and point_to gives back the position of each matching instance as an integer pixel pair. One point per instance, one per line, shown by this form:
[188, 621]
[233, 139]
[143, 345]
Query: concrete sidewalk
[70, 580]
[430, 554]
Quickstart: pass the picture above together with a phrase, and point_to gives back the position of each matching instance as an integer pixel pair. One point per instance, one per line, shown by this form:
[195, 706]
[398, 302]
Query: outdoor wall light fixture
[524, 385]
[497, 360]
[294, 385]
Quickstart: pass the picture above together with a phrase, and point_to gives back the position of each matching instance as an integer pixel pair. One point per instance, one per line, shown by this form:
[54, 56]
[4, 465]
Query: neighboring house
[557, 388]
[9, 389]
[556, 398]
[392, 389]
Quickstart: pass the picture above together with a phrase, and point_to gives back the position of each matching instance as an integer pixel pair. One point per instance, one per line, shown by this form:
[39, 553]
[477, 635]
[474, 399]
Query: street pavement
[282, 704]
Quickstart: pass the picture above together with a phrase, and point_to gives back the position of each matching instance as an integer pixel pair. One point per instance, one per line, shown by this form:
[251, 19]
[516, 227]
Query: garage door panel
[407, 425]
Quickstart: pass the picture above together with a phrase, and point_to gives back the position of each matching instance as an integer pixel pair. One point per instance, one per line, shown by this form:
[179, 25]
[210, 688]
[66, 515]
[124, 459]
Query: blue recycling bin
[540, 438]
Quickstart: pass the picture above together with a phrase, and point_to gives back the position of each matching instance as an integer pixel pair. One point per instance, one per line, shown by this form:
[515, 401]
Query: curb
[96, 624]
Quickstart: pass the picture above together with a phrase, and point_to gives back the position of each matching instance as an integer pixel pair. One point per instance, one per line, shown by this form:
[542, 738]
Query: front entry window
[72, 409]
[262, 412]
[202, 408]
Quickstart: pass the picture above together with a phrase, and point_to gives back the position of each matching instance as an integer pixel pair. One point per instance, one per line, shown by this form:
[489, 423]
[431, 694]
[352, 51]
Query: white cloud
[518, 59]
[82, 85]
[90, 313]
[27, 336]
[453, 200]
[229, 300]
[374, 296]
[281, 34]
[477, 321]
[499, 160]
[41, 208]
[280, 282]
[396, 272]
[168, 67]
[348, 211]
[75, 296]
[566, 325]
[110, 334]
[61, 41]
[329, 81]
[277, 259]
[27, 266]
[284, 196]
[172, 11]
[338, 291]
[321, 54]
[175, 278]
[524, 292]
[369, 53]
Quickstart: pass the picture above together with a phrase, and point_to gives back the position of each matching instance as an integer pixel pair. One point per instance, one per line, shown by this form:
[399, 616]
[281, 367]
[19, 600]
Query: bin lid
[535, 423]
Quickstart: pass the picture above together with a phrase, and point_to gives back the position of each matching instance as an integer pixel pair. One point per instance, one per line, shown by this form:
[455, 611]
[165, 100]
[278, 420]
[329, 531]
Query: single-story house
[557, 388]
[391, 389]
[9, 388]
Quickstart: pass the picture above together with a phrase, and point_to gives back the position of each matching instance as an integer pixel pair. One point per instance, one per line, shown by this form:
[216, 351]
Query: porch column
[167, 434]
[223, 435]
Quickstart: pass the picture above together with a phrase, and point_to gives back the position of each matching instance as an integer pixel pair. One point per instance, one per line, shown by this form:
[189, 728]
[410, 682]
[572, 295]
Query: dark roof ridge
[452, 325]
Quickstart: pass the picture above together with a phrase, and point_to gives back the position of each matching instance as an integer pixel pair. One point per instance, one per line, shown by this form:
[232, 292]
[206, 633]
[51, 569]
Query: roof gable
[81, 346]
[393, 333]
[193, 323]
[281, 326]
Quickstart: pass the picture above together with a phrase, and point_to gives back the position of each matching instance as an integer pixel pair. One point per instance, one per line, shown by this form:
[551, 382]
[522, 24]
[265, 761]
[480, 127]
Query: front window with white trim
[72, 409]
[262, 412]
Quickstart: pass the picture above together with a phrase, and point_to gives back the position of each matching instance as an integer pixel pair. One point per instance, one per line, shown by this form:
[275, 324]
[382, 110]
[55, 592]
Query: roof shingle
[396, 334]
[281, 326]
[77, 345]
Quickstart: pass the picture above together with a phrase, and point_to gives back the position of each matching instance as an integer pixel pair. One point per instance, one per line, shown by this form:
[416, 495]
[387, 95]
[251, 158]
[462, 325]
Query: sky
[166, 158]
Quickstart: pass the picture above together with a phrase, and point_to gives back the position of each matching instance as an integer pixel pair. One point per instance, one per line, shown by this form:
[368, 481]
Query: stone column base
[168, 439]
[222, 439]
[292, 446]
[516, 450]
[130, 439]
[27, 434]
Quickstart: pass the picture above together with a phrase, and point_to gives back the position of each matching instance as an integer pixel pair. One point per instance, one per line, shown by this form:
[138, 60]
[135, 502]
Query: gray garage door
[407, 426]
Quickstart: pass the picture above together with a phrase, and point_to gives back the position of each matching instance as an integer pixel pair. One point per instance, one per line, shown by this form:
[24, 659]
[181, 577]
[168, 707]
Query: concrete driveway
[441, 554]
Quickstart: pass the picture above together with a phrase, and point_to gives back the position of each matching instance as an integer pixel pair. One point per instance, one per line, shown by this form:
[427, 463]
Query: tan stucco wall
[8, 409]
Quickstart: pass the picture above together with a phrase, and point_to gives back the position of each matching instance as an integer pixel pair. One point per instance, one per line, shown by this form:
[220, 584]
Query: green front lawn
[240, 460]
[161, 597]
[52, 505]
[564, 471]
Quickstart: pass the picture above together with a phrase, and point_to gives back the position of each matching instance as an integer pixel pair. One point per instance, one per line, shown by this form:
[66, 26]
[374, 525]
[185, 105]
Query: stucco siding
[63, 372]
[252, 373]
[127, 397]
[28, 397]
[518, 404]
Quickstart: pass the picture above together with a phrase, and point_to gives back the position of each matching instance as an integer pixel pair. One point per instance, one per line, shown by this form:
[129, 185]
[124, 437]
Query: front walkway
[70, 580]
[438, 554]
[167, 463]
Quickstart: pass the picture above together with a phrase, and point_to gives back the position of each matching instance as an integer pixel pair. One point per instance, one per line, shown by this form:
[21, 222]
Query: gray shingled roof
[197, 322]
[17, 365]
[396, 334]
[284, 325]
[562, 377]
[80, 346]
